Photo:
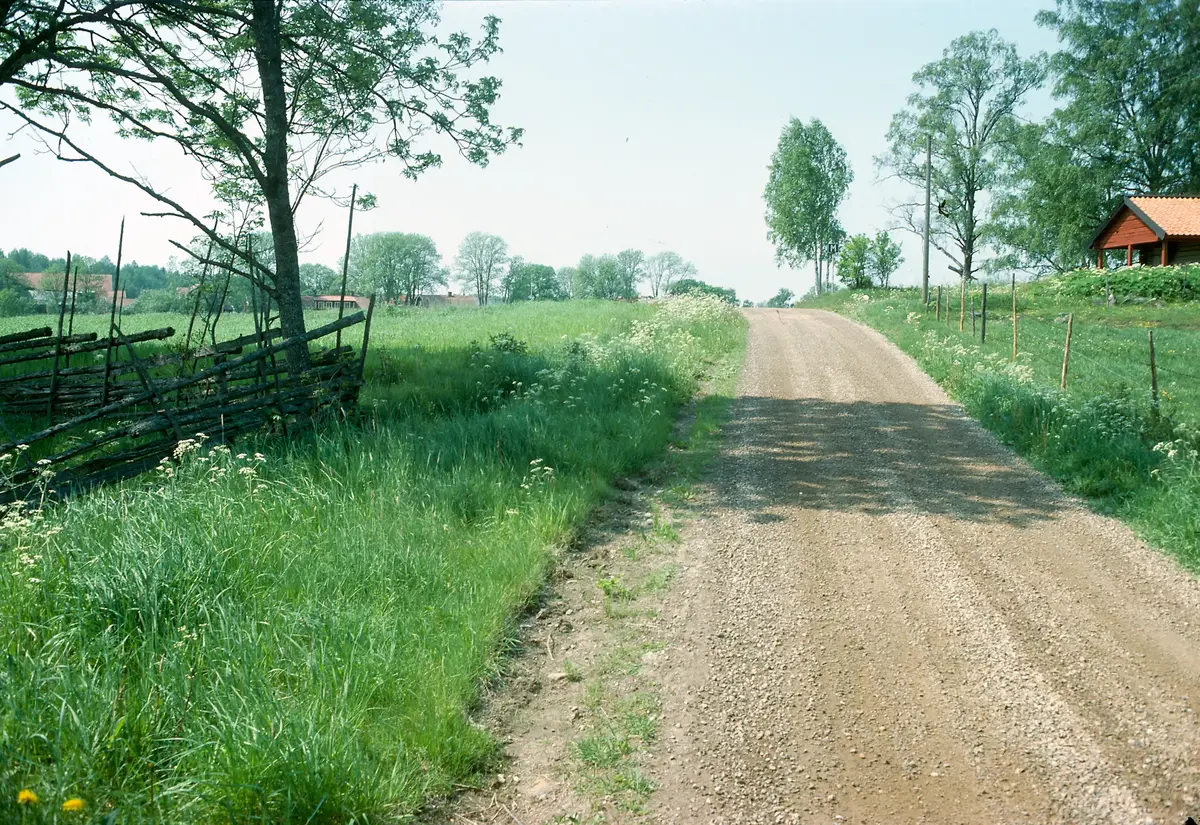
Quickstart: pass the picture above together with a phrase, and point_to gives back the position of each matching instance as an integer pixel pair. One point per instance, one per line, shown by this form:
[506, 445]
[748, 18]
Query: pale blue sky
[648, 124]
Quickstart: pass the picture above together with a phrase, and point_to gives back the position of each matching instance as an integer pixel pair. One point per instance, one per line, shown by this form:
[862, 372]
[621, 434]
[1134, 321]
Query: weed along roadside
[1082, 400]
[299, 632]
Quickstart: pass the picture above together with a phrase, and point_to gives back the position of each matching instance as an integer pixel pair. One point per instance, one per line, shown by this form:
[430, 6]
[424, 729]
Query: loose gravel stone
[885, 616]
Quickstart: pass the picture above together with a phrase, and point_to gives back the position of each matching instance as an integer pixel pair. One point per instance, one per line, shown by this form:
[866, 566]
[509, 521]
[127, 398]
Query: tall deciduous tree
[530, 282]
[317, 279]
[399, 266]
[967, 103]
[885, 258]
[268, 96]
[611, 281]
[1053, 199]
[480, 264]
[808, 179]
[1128, 83]
[664, 269]
[604, 277]
[568, 278]
[632, 266]
[1129, 76]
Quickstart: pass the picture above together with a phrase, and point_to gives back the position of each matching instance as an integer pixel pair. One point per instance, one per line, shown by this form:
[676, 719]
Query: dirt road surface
[887, 618]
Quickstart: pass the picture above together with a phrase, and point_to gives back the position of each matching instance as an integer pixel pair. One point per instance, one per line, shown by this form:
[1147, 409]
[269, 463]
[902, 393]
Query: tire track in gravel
[887, 617]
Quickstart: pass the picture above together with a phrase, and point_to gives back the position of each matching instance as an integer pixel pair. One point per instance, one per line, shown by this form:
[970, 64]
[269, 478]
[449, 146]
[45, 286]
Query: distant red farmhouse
[51, 284]
[332, 302]
[1161, 230]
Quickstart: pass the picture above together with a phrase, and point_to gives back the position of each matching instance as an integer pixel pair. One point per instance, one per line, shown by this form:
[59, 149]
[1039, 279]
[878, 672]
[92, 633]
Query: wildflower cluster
[539, 475]
[189, 458]
[961, 361]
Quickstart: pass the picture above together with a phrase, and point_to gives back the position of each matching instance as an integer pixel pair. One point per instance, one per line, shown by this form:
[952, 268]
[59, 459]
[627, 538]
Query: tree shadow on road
[873, 458]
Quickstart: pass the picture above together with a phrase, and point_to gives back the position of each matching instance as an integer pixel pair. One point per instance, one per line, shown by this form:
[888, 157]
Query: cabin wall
[1184, 252]
[1127, 229]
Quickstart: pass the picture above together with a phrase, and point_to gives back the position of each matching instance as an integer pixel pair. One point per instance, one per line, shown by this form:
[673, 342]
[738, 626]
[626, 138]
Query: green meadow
[299, 632]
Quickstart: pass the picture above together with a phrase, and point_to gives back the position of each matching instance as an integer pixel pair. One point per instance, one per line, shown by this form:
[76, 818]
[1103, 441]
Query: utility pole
[928, 204]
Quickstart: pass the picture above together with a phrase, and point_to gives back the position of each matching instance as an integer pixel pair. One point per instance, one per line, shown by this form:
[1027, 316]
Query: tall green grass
[1101, 437]
[298, 633]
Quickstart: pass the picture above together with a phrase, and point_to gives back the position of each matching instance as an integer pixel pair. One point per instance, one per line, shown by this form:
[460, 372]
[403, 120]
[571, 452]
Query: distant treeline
[398, 267]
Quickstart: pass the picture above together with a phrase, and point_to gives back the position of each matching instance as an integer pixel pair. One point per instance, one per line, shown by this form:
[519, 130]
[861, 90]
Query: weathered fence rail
[65, 427]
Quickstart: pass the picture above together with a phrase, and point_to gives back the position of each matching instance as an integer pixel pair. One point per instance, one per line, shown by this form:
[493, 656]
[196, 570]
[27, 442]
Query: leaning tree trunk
[267, 51]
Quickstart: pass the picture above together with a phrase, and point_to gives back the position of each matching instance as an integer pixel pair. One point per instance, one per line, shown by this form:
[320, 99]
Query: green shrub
[162, 300]
[1158, 283]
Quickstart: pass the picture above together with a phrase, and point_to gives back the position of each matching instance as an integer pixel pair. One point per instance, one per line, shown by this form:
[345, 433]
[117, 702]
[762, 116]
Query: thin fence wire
[1101, 355]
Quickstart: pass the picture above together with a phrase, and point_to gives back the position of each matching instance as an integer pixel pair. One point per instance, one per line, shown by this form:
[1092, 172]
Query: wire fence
[1154, 364]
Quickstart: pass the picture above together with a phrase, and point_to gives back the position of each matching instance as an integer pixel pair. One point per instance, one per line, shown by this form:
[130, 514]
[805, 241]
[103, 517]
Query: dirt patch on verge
[579, 712]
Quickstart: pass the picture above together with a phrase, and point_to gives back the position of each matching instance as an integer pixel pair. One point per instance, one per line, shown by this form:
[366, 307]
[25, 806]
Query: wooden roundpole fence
[346, 261]
[983, 316]
[1062, 384]
[1153, 374]
[62, 311]
[112, 315]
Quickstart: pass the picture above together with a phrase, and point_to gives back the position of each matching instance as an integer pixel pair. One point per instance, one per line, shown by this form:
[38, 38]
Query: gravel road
[886, 617]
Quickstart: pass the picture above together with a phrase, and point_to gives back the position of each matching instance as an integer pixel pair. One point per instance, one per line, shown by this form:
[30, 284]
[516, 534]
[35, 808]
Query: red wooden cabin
[1159, 230]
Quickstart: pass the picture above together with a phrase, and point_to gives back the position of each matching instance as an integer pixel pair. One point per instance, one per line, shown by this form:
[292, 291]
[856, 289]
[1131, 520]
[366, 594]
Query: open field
[1102, 437]
[299, 632]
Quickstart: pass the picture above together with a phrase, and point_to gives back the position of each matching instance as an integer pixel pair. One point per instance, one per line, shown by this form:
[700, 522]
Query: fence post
[972, 316]
[1014, 299]
[1153, 374]
[983, 317]
[1062, 385]
[962, 304]
[58, 343]
[346, 262]
[112, 315]
[938, 316]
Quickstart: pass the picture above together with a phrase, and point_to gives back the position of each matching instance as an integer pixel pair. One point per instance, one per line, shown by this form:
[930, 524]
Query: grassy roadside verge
[298, 635]
[622, 699]
[1100, 438]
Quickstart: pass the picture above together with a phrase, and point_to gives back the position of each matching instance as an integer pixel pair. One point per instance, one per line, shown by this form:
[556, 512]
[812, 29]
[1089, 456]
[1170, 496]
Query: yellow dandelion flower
[73, 804]
[27, 797]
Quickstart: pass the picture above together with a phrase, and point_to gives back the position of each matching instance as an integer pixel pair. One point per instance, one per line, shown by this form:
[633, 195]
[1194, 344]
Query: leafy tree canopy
[267, 97]
[396, 265]
[885, 258]
[1128, 77]
[808, 179]
[479, 265]
[854, 264]
[783, 298]
[664, 268]
[967, 106]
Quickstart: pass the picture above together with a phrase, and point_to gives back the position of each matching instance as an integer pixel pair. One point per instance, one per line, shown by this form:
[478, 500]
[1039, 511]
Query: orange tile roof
[50, 282]
[1174, 215]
